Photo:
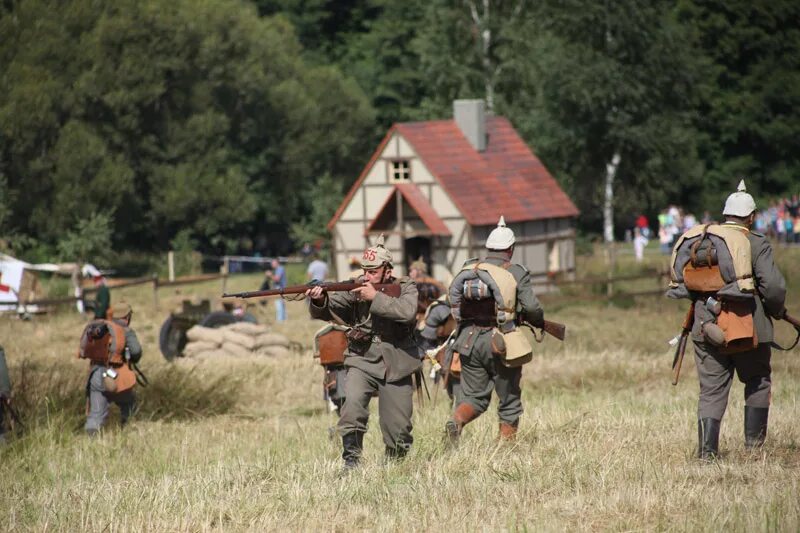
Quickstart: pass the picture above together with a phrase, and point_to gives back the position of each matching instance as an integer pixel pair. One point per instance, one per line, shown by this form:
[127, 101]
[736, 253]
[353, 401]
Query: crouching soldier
[381, 354]
[728, 273]
[113, 349]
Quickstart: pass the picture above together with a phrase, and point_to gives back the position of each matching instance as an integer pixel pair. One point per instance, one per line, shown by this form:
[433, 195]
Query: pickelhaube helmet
[376, 256]
[420, 265]
[740, 203]
[501, 237]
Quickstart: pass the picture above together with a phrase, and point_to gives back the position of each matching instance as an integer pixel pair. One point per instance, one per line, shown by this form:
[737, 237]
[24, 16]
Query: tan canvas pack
[738, 245]
[511, 346]
[106, 348]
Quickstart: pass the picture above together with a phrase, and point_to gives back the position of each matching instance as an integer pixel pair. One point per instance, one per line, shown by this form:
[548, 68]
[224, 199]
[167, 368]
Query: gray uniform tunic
[385, 364]
[715, 370]
[99, 399]
[480, 370]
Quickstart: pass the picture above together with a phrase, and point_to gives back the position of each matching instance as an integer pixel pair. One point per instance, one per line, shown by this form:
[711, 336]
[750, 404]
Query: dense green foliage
[229, 118]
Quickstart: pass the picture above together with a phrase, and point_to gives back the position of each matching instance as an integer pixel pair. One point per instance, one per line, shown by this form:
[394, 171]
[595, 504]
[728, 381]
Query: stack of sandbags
[240, 339]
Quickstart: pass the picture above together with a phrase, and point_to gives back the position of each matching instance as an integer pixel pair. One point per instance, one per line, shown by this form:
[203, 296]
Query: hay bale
[242, 339]
[274, 351]
[254, 330]
[193, 348]
[272, 339]
[200, 333]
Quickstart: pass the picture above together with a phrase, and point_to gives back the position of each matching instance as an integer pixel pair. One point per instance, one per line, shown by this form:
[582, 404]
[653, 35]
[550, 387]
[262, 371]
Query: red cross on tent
[3, 288]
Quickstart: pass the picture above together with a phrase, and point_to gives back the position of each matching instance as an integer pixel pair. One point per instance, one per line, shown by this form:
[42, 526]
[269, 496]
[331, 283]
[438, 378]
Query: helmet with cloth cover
[740, 203]
[376, 256]
[501, 237]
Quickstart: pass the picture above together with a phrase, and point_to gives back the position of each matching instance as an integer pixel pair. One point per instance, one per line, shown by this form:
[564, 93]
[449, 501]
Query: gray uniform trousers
[395, 406]
[99, 400]
[715, 372]
[481, 372]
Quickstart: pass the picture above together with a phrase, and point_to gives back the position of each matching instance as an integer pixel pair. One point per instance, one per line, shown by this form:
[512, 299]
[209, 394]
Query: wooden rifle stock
[677, 361]
[389, 289]
[555, 329]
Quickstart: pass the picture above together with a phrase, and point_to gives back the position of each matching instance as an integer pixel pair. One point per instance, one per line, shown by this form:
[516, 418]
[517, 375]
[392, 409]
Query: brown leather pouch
[332, 346]
[703, 278]
[358, 341]
[736, 321]
[455, 364]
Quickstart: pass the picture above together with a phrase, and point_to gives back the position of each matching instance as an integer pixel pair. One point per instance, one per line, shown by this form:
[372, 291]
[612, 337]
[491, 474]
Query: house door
[417, 247]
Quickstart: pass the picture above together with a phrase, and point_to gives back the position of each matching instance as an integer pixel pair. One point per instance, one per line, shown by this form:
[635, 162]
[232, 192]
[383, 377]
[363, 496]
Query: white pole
[171, 265]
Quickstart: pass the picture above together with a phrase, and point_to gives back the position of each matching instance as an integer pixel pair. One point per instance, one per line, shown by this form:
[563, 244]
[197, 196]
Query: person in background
[279, 282]
[102, 297]
[639, 244]
[317, 269]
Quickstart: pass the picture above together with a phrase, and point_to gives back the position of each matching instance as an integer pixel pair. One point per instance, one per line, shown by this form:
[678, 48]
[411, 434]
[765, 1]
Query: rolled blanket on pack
[457, 291]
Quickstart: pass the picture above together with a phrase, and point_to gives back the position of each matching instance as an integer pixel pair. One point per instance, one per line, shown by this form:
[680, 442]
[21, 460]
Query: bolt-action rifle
[796, 324]
[389, 289]
[680, 349]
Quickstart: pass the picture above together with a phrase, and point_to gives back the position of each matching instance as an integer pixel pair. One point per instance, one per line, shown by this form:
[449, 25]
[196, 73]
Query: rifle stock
[677, 361]
[555, 329]
[389, 289]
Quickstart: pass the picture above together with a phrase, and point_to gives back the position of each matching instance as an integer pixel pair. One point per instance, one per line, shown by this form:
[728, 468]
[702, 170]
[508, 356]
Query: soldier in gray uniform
[715, 370]
[433, 334]
[381, 354]
[5, 394]
[481, 371]
[98, 398]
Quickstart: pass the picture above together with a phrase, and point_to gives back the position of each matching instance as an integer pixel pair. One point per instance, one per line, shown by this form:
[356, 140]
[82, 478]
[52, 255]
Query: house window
[399, 170]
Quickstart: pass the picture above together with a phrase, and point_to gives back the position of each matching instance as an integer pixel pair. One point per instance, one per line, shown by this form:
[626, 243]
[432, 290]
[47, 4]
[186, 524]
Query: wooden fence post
[155, 291]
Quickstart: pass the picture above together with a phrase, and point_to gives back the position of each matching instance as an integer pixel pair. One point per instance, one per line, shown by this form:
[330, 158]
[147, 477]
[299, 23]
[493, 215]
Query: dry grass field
[606, 443]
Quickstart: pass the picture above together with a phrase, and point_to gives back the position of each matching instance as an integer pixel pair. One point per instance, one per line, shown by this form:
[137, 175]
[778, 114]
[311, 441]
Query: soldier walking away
[381, 354]
[113, 350]
[728, 272]
[489, 341]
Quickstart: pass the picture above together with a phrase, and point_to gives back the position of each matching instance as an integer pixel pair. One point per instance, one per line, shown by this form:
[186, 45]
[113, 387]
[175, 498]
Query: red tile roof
[418, 203]
[506, 179]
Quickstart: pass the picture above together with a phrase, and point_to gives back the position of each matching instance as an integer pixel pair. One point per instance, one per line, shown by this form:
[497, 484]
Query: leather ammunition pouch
[358, 342]
[455, 365]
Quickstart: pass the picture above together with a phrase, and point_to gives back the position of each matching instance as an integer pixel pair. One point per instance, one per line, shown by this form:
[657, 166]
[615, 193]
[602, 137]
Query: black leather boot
[708, 438]
[352, 444]
[397, 452]
[755, 426]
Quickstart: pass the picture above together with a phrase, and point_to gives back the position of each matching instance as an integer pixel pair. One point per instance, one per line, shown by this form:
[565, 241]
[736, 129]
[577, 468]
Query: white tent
[19, 282]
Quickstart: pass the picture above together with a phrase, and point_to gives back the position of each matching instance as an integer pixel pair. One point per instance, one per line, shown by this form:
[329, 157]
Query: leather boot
[508, 431]
[755, 426]
[396, 452]
[708, 437]
[352, 444]
[463, 415]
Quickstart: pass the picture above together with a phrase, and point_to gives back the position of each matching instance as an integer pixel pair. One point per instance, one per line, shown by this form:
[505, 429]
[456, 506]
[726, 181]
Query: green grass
[242, 444]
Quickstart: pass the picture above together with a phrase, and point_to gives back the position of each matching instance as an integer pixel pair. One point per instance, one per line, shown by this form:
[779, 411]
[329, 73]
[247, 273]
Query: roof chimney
[470, 116]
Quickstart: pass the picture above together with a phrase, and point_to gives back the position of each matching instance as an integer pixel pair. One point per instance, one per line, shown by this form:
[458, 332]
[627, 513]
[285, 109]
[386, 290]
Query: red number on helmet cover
[369, 255]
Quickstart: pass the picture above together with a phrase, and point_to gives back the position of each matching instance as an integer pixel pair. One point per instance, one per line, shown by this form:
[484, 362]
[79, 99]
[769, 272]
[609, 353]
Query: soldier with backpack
[728, 272]
[113, 350]
[491, 299]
